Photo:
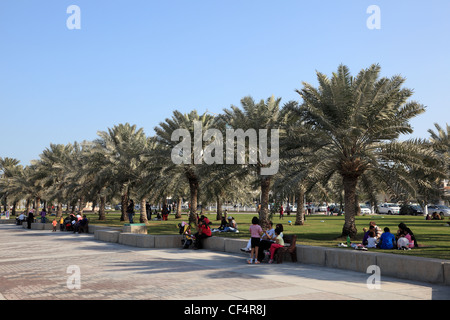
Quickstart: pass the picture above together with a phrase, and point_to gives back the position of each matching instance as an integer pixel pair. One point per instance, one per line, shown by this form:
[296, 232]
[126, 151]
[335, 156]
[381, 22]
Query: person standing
[148, 210]
[43, 214]
[30, 219]
[255, 234]
[164, 212]
[130, 210]
[61, 224]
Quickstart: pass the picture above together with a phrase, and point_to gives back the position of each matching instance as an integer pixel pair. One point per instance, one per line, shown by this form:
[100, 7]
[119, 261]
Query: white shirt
[271, 233]
[371, 242]
[402, 242]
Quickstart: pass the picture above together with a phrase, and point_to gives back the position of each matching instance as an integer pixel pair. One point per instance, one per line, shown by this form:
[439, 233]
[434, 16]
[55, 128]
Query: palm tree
[263, 115]
[121, 148]
[353, 123]
[190, 124]
[222, 183]
[7, 168]
[440, 141]
[53, 169]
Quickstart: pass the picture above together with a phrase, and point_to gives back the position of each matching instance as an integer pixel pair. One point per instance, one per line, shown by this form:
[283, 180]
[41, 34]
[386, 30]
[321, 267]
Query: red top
[205, 230]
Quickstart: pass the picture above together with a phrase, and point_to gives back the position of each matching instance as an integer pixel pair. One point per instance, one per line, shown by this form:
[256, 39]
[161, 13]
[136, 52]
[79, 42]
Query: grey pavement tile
[116, 272]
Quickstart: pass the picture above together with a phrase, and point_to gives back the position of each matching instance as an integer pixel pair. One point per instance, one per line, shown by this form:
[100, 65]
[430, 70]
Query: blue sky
[138, 61]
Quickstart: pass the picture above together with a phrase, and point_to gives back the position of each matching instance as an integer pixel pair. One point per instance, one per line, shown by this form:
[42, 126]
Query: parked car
[335, 209]
[411, 209]
[322, 208]
[439, 209]
[365, 209]
[388, 208]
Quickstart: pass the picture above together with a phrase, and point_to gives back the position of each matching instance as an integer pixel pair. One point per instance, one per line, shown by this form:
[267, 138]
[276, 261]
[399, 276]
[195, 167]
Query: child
[387, 240]
[255, 234]
[279, 243]
[372, 240]
[402, 242]
[54, 225]
[61, 224]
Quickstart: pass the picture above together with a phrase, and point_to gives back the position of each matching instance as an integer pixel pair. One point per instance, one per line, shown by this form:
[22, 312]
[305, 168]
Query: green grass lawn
[320, 230]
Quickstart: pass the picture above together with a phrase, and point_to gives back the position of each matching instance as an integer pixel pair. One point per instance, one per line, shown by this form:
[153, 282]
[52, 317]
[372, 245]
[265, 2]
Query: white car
[365, 209]
[388, 208]
[439, 209]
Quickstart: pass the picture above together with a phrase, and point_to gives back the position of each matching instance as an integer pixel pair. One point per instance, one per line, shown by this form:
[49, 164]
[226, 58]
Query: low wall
[107, 235]
[8, 221]
[140, 228]
[393, 265]
[39, 226]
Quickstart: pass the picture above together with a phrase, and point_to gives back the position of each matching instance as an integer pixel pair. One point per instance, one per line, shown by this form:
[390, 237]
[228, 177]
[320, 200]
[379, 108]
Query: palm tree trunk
[264, 214]
[101, 209]
[349, 228]
[300, 216]
[219, 208]
[59, 211]
[49, 208]
[28, 205]
[38, 203]
[6, 203]
[82, 204]
[124, 216]
[193, 185]
[143, 211]
[13, 210]
[178, 214]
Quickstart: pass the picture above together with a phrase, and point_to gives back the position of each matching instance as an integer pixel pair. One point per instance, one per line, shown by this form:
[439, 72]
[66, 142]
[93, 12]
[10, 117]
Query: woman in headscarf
[402, 228]
[30, 219]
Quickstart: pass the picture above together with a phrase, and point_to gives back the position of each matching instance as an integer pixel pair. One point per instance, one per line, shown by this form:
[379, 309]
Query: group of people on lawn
[375, 238]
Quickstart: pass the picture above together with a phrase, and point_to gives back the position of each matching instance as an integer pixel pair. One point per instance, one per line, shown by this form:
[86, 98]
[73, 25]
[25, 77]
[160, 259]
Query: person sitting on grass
[402, 228]
[403, 242]
[371, 239]
[387, 240]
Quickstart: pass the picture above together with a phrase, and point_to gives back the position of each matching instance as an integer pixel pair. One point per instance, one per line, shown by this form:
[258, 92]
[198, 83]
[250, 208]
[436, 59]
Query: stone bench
[392, 265]
[107, 235]
[8, 221]
[39, 226]
[140, 228]
[137, 240]
[168, 241]
[94, 227]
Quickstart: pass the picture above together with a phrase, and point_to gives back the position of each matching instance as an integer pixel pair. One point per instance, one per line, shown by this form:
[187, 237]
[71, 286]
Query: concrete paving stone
[36, 262]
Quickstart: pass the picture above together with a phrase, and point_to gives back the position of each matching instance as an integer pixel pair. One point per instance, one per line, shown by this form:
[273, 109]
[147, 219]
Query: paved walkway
[38, 265]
